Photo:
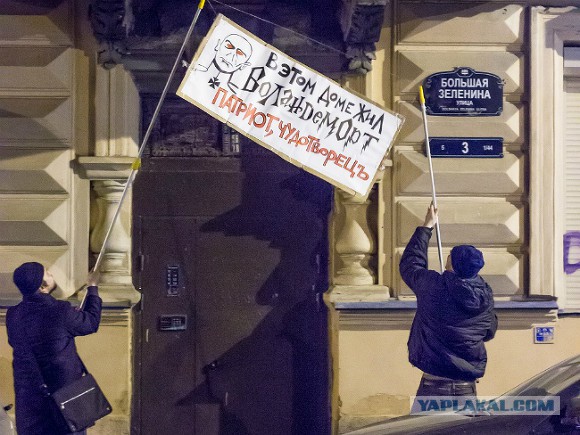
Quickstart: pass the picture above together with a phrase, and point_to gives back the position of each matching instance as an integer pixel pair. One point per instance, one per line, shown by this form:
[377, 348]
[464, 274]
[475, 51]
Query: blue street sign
[543, 334]
[463, 92]
[488, 147]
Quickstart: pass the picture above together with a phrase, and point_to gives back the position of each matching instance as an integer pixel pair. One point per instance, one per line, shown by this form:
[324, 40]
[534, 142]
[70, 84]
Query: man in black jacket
[41, 331]
[455, 316]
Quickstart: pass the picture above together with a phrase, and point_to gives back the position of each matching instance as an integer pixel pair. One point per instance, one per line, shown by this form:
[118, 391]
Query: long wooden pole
[433, 194]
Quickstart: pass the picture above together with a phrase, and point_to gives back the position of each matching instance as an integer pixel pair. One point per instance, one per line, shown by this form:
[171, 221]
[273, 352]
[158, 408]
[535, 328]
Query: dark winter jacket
[49, 326]
[454, 316]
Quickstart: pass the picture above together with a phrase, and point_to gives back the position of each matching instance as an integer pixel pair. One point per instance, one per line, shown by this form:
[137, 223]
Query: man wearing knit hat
[41, 331]
[455, 316]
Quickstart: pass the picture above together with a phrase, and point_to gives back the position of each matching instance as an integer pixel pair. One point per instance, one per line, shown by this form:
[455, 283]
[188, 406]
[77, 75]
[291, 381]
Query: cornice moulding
[104, 168]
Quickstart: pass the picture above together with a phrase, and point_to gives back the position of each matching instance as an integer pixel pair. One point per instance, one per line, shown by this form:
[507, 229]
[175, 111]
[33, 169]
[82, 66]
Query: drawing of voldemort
[231, 55]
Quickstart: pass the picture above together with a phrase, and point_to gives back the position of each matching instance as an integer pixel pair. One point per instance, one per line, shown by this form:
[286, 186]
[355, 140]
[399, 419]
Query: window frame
[551, 29]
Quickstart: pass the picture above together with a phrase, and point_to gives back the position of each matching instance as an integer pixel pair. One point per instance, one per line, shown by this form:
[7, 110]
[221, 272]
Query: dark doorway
[231, 258]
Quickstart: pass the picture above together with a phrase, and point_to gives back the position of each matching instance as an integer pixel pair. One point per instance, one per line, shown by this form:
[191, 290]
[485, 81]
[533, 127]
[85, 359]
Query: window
[570, 297]
[554, 149]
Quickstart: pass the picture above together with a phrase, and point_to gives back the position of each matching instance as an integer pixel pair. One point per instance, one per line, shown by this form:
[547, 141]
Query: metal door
[232, 335]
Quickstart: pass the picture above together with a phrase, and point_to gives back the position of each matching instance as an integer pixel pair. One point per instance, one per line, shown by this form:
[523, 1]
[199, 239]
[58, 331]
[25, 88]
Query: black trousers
[442, 387]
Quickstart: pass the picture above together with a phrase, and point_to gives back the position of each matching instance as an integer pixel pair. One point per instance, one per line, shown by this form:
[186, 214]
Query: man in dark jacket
[41, 331]
[455, 316]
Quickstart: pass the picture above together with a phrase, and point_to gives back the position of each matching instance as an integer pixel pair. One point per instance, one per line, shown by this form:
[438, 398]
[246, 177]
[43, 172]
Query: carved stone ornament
[122, 26]
[361, 22]
[107, 19]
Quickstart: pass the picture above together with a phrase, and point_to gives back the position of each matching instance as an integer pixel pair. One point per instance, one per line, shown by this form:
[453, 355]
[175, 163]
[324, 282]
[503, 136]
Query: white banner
[288, 108]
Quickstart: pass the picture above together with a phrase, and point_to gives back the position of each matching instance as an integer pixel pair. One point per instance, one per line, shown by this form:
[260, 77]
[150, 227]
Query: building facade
[78, 88]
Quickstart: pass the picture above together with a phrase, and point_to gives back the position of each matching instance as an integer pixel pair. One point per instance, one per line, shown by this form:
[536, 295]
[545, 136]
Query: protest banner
[301, 115]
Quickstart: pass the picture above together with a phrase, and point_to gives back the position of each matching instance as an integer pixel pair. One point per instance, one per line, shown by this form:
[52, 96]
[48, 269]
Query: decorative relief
[504, 271]
[508, 125]
[47, 119]
[504, 176]
[450, 22]
[117, 26]
[488, 37]
[45, 68]
[14, 256]
[28, 233]
[476, 221]
[107, 19]
[15, 209]
[36, 30]
[413, 66]
[362, 24]
[36, 130]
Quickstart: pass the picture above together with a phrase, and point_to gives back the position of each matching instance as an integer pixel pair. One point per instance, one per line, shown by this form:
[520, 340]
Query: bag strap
[85, 371]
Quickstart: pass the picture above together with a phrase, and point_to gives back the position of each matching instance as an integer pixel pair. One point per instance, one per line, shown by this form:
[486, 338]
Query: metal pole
[137, 163]
[434, 195]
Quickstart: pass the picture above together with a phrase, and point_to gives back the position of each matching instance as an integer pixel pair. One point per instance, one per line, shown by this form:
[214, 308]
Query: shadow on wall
[275, 380]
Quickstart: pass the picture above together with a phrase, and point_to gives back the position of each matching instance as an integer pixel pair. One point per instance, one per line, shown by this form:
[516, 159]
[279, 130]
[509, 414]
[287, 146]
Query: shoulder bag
[77, 405]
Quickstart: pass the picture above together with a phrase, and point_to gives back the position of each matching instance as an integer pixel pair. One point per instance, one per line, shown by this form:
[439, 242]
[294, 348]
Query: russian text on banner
[302, 116]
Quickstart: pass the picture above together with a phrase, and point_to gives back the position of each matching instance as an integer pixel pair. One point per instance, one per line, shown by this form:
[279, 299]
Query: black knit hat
[28, 277]
[466, 260]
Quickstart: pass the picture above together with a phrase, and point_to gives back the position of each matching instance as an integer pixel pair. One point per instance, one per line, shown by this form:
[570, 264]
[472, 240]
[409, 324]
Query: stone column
[355, 243]
[116, 145]
[115, 267]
